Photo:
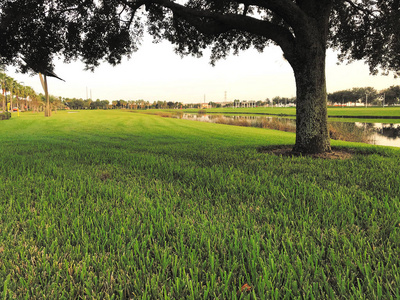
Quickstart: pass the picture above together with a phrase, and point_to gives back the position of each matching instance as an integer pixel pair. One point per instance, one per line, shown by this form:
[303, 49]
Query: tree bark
[312, 135]
[47, 112]
[308, 63]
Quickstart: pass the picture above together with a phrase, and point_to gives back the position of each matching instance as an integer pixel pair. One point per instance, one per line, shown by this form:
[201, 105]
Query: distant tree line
[389, 96]
[74, 103]
[355, 95]
[369, 95]
[17, 95]
[283, 101]
[276, 101]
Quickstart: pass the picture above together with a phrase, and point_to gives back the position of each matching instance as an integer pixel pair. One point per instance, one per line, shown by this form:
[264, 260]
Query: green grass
[111, 204]
[376, 113]
[362, 111]
[364, 120]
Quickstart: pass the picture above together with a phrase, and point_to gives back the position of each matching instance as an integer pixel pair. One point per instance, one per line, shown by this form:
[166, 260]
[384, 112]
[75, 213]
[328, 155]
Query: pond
[383, 134]
[372, 133]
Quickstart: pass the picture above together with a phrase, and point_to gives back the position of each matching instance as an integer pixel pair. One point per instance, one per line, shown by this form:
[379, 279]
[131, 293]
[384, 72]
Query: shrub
[349, 132]
[5, 115]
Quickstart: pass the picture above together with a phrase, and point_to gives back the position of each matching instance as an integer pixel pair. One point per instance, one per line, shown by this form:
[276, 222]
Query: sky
[155, 72]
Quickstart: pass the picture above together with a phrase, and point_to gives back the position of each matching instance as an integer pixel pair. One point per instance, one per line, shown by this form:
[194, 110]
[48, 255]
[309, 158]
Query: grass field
[111, 204]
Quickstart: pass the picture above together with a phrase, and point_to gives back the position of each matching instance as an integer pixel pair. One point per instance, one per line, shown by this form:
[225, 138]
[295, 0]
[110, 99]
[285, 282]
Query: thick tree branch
[286, 9]
[213, 23]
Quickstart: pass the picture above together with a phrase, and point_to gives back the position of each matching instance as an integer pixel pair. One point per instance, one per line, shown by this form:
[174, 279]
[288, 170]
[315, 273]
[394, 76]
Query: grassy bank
[110, 204]
[354, 112]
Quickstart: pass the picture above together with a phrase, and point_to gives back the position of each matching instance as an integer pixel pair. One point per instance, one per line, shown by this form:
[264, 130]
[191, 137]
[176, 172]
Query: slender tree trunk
[5, 97]
[22, 108]
[4, 101]
[47, 112]
[11, 102]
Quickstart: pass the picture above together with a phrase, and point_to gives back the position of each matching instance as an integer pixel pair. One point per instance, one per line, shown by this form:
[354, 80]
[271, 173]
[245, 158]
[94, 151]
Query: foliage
[367, 30]
[75, 103]
[114, 28]
[355, 95]
[283, 100]
[392, 95]
[106, 204]
[5, 115]
[213, 104]
[350, 132]
[99, 104]
[174, 105]
[16, 91]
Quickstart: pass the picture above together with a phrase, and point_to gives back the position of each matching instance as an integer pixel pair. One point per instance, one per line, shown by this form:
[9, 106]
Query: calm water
[383, 134]
[378, 133]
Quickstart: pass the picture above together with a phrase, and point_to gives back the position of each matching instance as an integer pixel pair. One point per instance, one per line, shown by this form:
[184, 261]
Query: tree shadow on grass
[340, 153]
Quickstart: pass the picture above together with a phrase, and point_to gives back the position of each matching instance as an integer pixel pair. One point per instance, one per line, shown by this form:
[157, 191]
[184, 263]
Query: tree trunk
[11, 101]
[308, 63]
[47, 112]
[312, 135]
[4, 101]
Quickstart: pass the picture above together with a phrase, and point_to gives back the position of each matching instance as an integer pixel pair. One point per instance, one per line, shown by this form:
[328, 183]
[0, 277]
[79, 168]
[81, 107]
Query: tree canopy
[94, 31]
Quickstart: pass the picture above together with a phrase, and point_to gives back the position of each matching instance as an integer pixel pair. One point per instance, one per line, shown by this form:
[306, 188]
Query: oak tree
[90, 30]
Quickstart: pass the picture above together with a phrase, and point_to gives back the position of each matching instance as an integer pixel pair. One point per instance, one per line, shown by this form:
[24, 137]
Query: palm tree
[23, 97]
[3, 87]
[10, 87]
[27, 88]
[30, 93]
[17, 92]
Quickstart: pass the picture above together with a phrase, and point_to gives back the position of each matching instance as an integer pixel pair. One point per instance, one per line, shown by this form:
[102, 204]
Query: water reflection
[373, 133]
[383, 134]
